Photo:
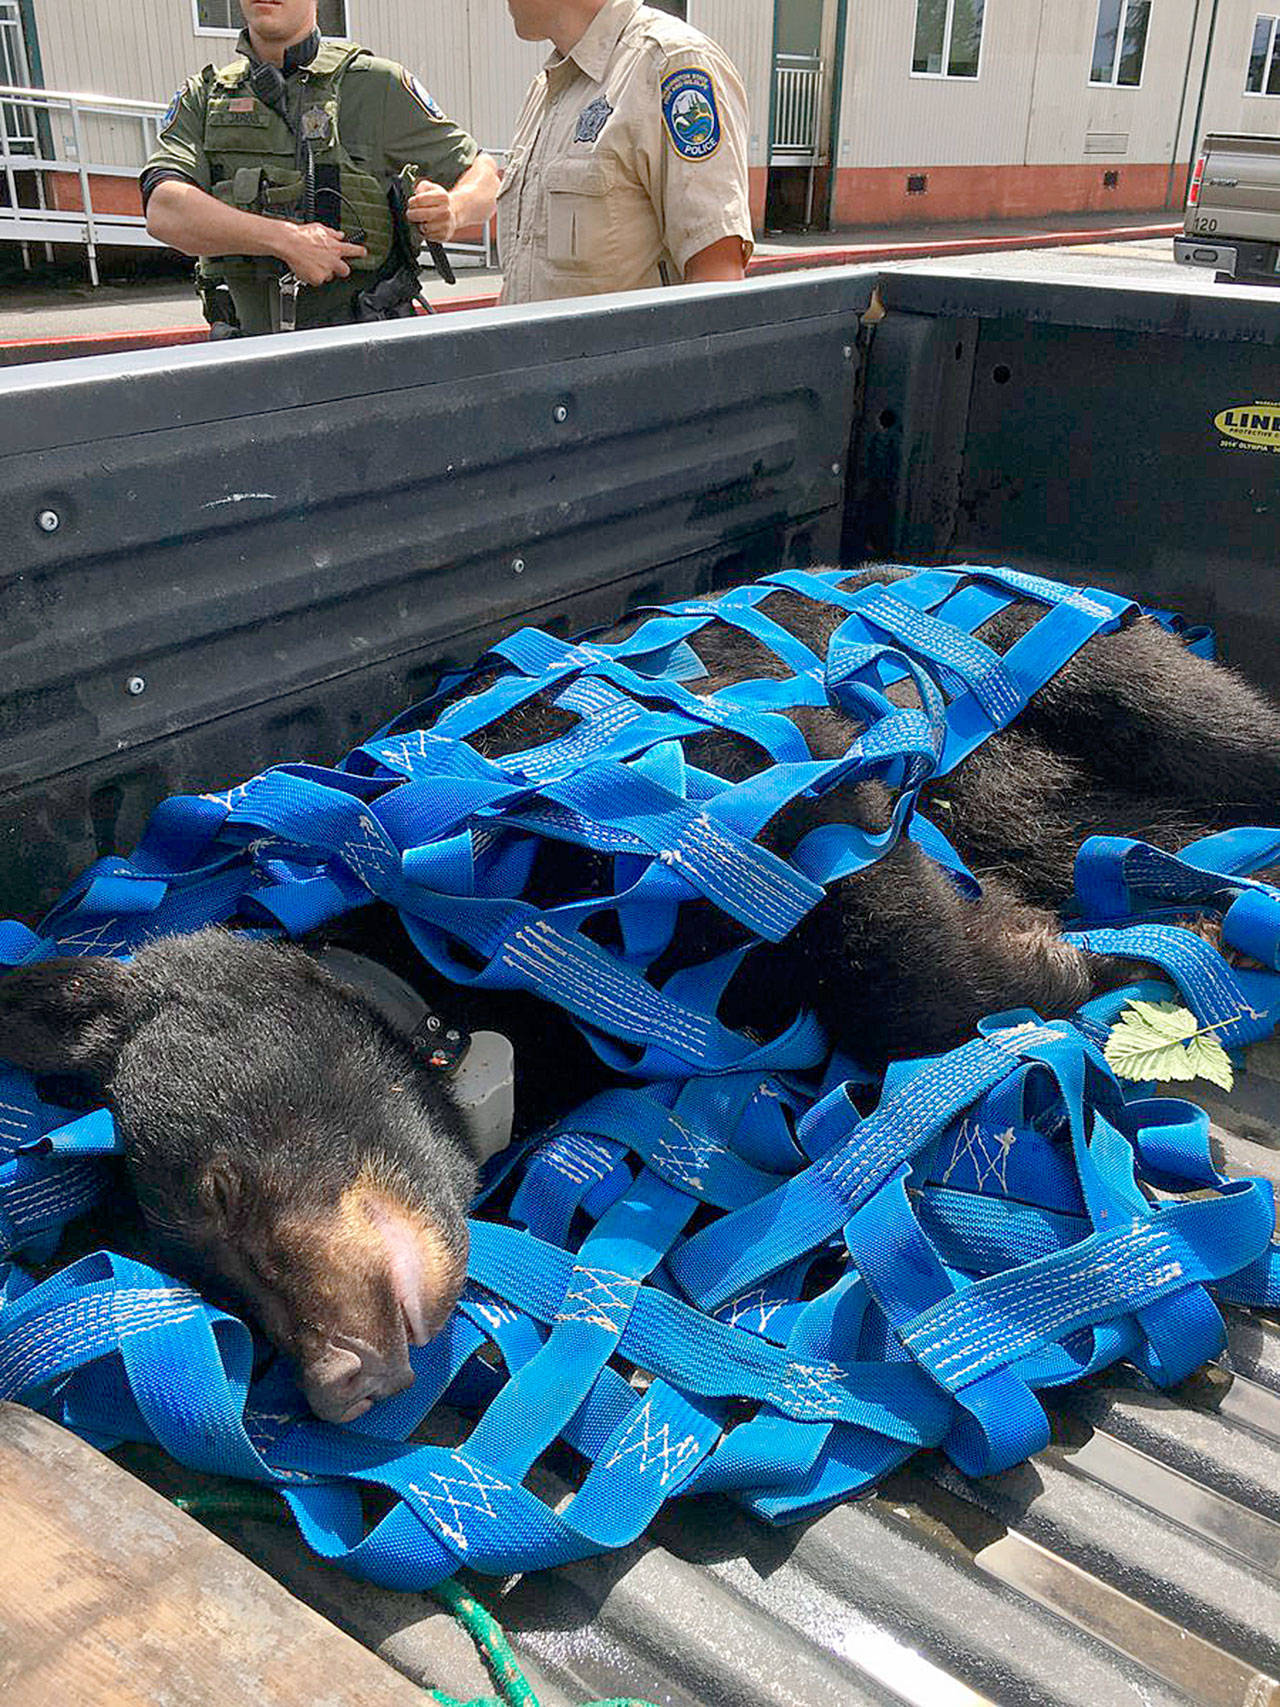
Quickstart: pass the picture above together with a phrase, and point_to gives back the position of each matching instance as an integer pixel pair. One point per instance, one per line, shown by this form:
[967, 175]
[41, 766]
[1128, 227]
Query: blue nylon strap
[1117, 877]
[861, 1286]
[968, 662]
[828, 1423]
[1217, 995]
[745, 1248]
[17, 943]
[1131, 885]
[1001, 1319]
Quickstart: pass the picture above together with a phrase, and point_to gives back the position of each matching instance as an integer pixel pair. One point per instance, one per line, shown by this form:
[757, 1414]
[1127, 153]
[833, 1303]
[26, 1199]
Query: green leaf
[1211, 1061]
[1161, 1040]
[1168, 1019]
[1131, 1054]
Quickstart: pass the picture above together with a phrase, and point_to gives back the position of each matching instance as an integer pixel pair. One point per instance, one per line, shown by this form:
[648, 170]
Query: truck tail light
[1193, 194]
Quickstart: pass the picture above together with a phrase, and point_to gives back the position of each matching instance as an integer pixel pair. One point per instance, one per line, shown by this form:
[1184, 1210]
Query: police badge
[317, 124]
[691, 114]
[592, 120]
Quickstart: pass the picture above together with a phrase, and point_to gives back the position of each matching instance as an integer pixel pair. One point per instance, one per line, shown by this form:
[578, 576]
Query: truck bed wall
[1121, 437]
[277, 547]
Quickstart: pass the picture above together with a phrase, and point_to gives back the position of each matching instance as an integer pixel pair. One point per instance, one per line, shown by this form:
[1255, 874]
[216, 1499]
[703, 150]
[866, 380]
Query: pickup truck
[215, 558]
[1232, 220]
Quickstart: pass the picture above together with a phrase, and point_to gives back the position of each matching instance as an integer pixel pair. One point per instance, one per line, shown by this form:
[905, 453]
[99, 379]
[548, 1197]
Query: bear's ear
[65, 1015]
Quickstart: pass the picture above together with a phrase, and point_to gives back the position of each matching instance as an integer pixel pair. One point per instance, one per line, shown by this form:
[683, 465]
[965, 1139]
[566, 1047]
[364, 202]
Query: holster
[219, 308]
[398, 283]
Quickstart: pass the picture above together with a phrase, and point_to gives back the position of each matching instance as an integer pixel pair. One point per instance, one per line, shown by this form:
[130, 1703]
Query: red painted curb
[14, 350]
[102, 343]
[106, 343]
[844, 255]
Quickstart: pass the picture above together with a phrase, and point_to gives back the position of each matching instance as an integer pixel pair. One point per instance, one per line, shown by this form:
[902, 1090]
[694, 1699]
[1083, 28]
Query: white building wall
[1073, 119]
[1226, 105]
[888, 117]
[1032, 102]
[744, 28]
[140, 49]
[465, 51]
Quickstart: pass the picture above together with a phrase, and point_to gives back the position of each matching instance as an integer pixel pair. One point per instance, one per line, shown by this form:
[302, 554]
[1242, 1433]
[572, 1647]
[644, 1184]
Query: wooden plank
[110, 1597]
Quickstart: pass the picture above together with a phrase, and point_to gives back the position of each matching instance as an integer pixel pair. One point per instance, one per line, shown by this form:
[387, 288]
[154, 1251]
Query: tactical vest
[255, 162]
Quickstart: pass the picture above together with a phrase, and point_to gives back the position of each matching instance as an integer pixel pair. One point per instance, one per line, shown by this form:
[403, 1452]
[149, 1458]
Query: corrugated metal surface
[1104, 1572]
[1134, 1563]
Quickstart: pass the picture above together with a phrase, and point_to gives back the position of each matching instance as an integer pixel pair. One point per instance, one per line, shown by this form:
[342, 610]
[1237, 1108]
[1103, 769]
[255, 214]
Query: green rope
[514, 1689]
[262, 1505]
[259, 1505]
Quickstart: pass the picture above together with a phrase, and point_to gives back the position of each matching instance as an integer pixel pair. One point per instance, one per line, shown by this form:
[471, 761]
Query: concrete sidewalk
[72, 309]
[65, 309]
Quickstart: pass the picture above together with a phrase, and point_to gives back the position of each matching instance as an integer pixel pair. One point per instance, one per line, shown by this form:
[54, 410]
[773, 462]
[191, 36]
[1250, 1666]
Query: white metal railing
[25, 214]
[797, 109]
[26, 217]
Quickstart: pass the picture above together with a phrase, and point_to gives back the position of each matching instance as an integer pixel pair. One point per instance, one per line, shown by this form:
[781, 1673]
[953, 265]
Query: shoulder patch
[171, 111]
[420, 95]
[690, 113]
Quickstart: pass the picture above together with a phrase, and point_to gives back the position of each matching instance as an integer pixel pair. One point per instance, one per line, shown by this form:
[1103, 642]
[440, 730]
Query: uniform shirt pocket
[579, 228]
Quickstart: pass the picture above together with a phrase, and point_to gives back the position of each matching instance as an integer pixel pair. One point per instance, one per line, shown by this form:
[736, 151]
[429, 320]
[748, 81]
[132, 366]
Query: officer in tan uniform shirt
[629, 164]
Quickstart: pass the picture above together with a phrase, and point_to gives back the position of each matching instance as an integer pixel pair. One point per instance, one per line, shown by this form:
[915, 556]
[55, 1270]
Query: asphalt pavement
[1146, 261]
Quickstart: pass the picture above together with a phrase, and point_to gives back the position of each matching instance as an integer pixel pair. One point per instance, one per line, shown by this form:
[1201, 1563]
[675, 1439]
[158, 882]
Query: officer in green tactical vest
[305, 175]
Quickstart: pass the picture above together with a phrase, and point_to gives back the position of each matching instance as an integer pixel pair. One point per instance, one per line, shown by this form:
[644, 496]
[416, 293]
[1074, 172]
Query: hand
[432, 210]
[314, 254]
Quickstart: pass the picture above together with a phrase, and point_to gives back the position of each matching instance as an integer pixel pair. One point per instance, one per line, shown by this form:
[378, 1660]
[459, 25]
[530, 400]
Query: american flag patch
[241, 104]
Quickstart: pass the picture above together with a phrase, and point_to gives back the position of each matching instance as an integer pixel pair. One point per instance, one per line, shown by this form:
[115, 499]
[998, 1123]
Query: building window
[222, 17]
[948, 38]
[1120, 42]
[1264, 60]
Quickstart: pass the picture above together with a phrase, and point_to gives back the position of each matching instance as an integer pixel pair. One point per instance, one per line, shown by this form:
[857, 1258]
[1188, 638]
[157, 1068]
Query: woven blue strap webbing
[733, 1241]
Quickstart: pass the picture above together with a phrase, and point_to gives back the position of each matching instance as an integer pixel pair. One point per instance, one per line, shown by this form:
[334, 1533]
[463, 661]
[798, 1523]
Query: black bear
[287, 1148]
